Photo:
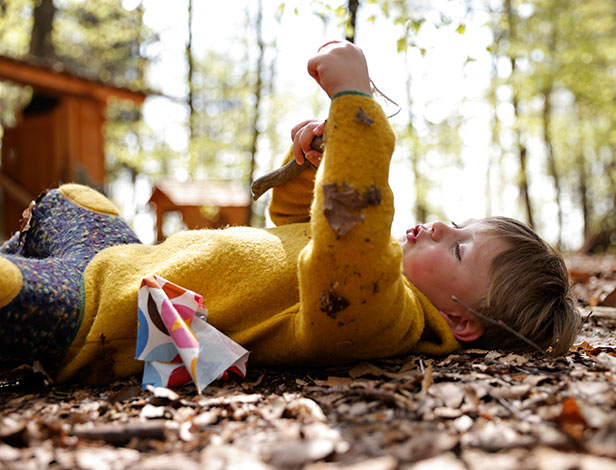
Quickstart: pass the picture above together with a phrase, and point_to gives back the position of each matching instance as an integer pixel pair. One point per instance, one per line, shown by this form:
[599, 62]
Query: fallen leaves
[471, 410]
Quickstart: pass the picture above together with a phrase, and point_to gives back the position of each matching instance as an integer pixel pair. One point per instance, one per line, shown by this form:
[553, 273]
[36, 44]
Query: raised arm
[354, 298]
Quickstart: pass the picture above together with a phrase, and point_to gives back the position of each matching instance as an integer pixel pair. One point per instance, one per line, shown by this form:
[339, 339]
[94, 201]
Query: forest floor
[471, 410]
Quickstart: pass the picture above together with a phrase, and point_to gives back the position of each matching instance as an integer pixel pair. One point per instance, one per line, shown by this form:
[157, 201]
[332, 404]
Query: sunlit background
[503, 106]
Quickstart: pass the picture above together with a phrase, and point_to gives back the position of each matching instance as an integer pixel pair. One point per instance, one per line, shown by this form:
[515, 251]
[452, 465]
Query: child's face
[444, 261]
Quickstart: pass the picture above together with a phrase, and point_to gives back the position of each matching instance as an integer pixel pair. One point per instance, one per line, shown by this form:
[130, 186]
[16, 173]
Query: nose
[439, 230]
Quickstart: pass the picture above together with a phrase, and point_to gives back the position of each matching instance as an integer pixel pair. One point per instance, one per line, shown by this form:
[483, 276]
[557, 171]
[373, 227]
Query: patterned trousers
[41, 273]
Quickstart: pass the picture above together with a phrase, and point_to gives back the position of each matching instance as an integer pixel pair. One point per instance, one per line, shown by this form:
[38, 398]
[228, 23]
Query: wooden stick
[286, 173]
[119, 434]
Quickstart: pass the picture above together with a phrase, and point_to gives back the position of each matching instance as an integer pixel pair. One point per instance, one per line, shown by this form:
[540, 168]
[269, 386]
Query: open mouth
[412, 233]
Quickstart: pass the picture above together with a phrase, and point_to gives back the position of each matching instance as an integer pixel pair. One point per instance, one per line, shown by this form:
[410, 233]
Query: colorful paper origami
[176, 342]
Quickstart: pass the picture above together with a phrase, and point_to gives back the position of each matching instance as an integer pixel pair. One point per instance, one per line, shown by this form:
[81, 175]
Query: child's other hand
[340, 66]
[302, 135]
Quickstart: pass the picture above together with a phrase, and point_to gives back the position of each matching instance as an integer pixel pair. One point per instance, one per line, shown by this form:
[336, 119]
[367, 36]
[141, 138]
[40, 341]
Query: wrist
[351, 92]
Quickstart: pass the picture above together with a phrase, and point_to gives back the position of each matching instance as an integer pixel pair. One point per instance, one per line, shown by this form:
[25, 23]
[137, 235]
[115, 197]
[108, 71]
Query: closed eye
[456, 249]
[454, 224]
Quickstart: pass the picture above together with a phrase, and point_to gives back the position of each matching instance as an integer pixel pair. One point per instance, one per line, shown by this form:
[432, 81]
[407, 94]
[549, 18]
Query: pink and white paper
[176, 342]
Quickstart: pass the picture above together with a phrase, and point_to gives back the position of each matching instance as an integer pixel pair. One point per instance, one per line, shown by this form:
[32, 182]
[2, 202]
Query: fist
[340, 66]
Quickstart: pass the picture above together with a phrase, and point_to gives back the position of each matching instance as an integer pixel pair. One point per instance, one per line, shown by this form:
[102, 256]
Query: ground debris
[469, 410]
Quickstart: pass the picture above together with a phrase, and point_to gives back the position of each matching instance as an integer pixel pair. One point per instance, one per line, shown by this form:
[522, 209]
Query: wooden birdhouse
[201, 205]
[58, 137]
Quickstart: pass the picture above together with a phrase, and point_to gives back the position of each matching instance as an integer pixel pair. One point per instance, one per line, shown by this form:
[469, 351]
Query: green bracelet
[350, 92]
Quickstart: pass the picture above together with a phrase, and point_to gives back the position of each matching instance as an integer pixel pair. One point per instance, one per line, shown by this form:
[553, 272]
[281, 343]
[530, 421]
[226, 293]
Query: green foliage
[105, 41]
[104, 38]
[566, 53]
[15, 26]
[563, 84]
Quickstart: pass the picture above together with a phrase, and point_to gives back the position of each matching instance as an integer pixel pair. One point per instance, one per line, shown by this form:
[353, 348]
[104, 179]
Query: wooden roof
[55, 79]
[219, 194]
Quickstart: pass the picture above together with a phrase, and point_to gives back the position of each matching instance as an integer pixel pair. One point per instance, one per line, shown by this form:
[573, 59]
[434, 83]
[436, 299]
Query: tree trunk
[40, 40]
[549, 148]
[608, 222]
[420, 210]
[495, 135]
[583, 190]
[191, 94]
[258, 92]
[522, 150]
[353, 5]
[547, 135]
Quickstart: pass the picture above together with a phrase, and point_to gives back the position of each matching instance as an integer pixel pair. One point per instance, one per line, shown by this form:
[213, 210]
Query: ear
[465, 328]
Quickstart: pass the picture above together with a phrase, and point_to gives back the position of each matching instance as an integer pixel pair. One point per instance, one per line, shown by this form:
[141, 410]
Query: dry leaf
[362, 117]
[426, 382]
[341, 208]
[365, 368]
[609, 300]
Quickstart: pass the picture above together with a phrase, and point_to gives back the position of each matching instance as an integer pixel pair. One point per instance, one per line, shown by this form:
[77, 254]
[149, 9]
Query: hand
[340, 66]
[302, 135]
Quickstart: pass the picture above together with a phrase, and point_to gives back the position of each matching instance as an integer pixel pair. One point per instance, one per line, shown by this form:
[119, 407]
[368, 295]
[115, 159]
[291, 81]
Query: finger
[297, 127]
[297, 151]
[319, 129]
[312, 68]
[305, 139]
[314, 157]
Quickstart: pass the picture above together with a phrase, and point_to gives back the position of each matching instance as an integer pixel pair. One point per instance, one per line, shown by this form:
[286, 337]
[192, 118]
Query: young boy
[328, 285]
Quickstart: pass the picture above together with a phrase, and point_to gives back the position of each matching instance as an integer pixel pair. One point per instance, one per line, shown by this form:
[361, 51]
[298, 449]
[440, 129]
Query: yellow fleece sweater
[316, 289]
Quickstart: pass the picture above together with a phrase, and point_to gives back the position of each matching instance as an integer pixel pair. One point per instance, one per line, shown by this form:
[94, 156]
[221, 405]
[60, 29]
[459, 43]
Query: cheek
[420, 268]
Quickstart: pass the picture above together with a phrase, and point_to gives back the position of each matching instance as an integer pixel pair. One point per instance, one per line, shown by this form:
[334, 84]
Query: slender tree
[414, 156]
[191, 91]
[258, 90]
[352, 6]
[515, 101]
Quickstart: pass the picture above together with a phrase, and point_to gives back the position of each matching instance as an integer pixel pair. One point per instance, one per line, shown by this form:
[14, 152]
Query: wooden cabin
[59, 136]
[202, 205]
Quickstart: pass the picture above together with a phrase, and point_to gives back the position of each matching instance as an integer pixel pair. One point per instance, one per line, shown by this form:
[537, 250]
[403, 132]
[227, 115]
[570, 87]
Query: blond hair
[529, 291]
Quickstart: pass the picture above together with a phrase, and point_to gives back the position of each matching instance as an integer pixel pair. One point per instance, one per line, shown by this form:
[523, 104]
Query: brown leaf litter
[469, 410]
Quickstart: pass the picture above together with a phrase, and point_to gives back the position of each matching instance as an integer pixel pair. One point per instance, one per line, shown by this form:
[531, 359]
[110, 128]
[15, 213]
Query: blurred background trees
[557, 73]
[548, 104]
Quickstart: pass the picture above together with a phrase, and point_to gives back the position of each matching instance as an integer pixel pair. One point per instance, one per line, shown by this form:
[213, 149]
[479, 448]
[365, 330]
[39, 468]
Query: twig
[512, 409]
[286, 173]
[584, 321]
[501, 324]
[122, 433]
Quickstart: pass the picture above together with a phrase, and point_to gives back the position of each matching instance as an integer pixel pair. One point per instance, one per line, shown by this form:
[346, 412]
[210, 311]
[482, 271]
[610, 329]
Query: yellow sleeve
[354, 300]
[291, 202]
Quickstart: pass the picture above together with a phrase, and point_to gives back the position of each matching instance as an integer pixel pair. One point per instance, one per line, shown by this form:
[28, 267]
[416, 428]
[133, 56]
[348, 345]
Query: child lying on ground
[328, 285]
